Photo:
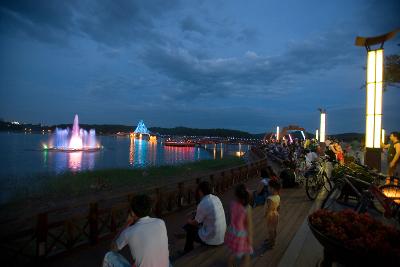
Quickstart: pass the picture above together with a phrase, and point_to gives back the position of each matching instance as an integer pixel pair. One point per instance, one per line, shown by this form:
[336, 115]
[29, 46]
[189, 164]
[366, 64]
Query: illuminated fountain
[75, 140]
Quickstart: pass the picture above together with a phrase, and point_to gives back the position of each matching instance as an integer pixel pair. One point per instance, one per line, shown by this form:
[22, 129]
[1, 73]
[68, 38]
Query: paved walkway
[304, 249]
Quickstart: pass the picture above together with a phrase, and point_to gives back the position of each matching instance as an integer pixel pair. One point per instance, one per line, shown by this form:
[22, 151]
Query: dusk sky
[246, 65]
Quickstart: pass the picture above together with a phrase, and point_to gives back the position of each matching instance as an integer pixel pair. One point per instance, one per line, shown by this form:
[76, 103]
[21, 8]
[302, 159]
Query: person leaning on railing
[393, 156]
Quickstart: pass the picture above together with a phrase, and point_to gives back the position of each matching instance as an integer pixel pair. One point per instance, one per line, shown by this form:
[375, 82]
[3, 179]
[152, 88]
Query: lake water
[22, 157]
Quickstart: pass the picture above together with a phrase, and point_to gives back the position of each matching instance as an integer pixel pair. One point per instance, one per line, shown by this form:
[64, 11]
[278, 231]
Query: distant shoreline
[346, 137]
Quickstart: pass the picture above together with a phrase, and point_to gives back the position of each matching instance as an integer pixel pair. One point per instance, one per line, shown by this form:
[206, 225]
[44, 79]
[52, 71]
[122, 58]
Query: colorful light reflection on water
[144, 153]
[25, 157]
[24, 160]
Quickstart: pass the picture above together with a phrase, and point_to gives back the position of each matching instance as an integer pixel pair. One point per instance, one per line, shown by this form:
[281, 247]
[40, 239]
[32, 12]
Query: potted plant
[355, 239]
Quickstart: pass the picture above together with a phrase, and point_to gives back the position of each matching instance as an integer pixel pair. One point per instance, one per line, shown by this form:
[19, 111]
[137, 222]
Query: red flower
[358, 232]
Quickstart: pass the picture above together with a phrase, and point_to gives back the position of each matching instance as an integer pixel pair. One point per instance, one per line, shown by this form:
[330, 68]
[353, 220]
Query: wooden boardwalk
[294, 209]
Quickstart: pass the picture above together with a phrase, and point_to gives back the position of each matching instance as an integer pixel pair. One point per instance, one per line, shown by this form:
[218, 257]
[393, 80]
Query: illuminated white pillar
[322, 127]
[304, 136]
[316, 134]
[277, 133]
[374, 99]
[383, 136]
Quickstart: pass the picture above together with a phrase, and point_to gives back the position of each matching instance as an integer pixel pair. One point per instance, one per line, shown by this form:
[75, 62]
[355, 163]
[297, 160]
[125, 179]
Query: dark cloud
[191, 25]
[49, 21]
[153, 58]
[113, 23]
[204, 77]
[379, 16]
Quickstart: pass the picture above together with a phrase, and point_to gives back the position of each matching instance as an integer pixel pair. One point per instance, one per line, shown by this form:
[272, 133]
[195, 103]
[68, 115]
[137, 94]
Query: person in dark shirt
[393, 156]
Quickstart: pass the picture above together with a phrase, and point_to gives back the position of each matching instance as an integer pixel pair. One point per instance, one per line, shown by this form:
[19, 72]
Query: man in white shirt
[209, 225]
[146, 237]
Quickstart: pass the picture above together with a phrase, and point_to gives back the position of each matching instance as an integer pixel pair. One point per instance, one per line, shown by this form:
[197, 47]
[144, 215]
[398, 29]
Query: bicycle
[365, 197]
[300, 170]
[317, 178]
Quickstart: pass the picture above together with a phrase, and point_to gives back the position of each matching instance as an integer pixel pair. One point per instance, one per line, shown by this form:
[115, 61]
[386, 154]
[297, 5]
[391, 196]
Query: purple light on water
[75, 139]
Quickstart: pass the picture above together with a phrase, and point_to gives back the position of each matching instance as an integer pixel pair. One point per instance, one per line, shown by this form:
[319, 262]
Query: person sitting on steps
[146, 237]
[261, 193]
[208, 226]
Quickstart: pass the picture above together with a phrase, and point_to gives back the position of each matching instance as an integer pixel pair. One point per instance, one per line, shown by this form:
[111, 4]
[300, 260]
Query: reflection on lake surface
[22, 155]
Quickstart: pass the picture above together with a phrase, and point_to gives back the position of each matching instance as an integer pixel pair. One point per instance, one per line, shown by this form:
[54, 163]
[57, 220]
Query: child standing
[272, 211]
[239, 235]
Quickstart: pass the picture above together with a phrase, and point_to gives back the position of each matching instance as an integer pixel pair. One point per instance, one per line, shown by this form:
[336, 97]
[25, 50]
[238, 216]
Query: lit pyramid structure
[141, 128]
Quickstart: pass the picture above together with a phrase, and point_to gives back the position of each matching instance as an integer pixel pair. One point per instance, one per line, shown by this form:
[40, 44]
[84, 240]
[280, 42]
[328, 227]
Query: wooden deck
[294, 209]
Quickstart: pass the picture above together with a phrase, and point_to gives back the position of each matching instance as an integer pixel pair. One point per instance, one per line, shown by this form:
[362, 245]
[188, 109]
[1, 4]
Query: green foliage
[352, 169]
[392, 71]
[201, 132]
[71, 184]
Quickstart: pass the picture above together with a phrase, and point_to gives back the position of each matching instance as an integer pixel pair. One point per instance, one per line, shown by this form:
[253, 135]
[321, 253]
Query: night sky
[247, 65]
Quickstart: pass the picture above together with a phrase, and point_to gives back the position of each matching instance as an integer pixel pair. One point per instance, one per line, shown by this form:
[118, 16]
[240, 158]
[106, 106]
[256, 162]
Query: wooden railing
[59, 231]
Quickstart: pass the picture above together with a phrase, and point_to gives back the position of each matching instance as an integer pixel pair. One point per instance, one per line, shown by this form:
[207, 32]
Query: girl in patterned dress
[239, 235]
[272, 206]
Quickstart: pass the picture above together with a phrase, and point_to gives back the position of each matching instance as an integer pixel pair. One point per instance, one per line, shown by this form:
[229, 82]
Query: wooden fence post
[220, 183]
[41, 236]
[212, 181]
[113, 221]
[232, 179]
[158, 207]
[93, 223]
[180, 197]
[225, 184]
[189, 195]
[170, 200]
[196, 196]
[70, 234]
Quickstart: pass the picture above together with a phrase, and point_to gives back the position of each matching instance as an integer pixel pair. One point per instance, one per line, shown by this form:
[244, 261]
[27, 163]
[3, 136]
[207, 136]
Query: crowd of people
[309, 148]
[148, 240]
[147, 237]
[290, 151]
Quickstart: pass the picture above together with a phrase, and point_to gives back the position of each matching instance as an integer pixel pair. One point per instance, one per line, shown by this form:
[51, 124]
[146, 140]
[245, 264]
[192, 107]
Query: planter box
[335, 251]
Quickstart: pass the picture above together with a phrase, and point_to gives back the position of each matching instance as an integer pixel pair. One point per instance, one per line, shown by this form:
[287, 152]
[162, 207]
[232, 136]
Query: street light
[383, 136]
[373, 126]
[277, 133]
[322, 126]
[316, 134]
[374, 99]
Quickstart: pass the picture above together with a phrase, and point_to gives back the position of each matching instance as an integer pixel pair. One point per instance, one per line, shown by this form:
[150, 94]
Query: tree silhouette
[392, 71]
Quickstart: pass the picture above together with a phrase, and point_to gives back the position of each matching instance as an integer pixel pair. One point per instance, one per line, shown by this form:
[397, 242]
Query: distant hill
[180, 131]
[348, 137]
[102, 128]
[115, 128]
[201, 132]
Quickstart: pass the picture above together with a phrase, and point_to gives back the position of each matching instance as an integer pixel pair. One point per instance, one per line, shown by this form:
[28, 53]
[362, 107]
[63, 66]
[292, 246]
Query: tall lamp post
[277, 133]
[322, 127]
[373, 127]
